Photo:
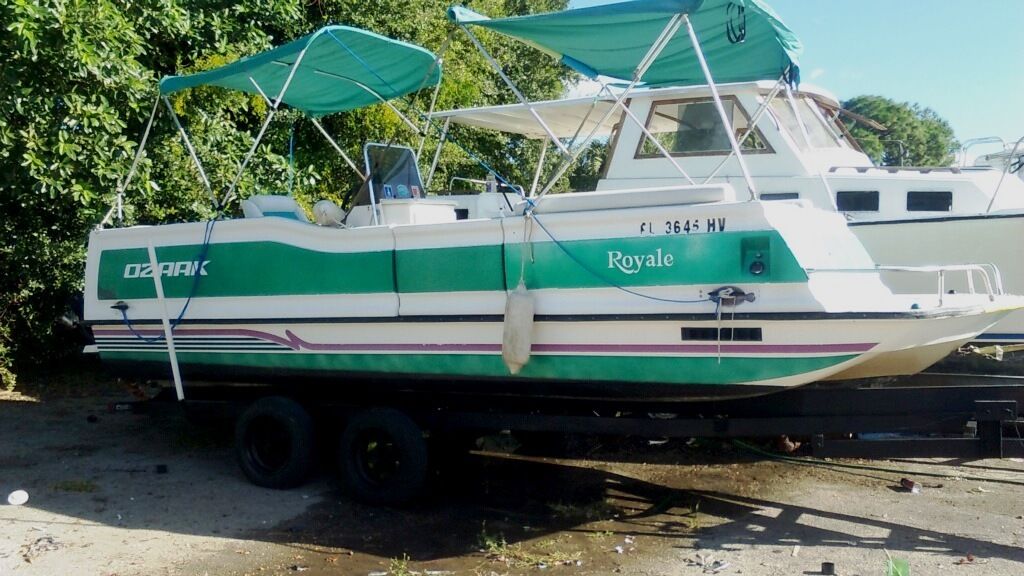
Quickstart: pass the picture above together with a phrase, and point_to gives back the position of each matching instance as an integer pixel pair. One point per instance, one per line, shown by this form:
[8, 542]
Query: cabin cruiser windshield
[692, 127]
[819, 132]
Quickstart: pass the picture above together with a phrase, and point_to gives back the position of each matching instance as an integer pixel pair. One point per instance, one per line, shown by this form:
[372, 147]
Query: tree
[77, 85]
[916, 136]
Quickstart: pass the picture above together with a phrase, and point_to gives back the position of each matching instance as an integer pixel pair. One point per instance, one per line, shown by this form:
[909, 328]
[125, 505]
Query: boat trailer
[384, 453]
[924, 415]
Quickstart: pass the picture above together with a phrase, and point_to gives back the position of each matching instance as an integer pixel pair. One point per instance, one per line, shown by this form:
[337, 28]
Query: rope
[207, 235]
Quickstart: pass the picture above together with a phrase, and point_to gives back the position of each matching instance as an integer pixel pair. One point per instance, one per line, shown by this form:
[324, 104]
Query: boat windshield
[819, 134]
[693, 127]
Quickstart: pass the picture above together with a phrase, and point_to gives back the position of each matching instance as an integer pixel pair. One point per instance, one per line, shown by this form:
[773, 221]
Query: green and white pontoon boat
[669, 293]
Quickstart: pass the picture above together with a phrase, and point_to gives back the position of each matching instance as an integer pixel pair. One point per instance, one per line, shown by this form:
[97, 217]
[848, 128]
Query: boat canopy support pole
[412, 126]
[799, 118]
[651, 138]
[229, 195]
[807, 142]
[540, 168]
[437, 154]
[192, 153]
[652, 54]
[751, 127]
[497, 67]
[119, 202]
[428, 117]
[718, 105]
[338, 149]
[165, 320]
[322, 130]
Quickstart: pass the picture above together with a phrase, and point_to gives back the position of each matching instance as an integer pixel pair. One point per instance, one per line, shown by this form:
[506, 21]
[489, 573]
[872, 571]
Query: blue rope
[600, 277]
[207, 235]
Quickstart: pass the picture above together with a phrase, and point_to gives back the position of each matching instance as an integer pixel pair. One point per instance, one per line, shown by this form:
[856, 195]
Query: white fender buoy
[518, 335]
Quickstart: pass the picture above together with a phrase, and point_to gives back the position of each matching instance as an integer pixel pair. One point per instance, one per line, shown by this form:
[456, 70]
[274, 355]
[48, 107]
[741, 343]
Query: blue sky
[965, 60]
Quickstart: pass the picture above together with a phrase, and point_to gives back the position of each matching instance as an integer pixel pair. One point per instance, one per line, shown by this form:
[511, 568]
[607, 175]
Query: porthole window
[929, 201]
[857, 201]
[780, 196]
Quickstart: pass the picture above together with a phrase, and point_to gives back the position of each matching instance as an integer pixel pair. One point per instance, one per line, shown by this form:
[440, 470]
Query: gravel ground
[124, 494]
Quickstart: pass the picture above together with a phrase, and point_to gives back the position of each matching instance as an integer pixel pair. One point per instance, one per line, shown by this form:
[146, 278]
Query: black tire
[383, 457]
[275, 442]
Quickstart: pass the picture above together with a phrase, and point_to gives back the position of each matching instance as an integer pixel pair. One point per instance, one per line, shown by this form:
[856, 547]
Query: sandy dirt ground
[126, 494]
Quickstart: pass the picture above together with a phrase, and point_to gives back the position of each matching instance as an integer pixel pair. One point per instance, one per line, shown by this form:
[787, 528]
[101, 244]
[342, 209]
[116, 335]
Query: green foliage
[916, 136]
[77, 87]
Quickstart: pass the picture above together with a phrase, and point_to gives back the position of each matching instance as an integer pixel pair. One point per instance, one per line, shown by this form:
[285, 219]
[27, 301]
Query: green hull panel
[274, 269]
[640, 369]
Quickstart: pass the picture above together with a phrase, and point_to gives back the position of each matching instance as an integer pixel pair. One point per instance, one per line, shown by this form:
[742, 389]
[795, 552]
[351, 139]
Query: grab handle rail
[990, 276]
[993, 287]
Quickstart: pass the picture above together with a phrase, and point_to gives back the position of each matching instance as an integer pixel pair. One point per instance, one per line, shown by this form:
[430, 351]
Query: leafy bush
[79, 82]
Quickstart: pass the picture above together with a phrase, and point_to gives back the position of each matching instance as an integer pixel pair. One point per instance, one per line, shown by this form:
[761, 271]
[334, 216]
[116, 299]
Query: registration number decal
[685, 226]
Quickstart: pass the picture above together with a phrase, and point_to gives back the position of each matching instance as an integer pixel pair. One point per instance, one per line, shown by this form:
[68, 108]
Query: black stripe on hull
[756, 317]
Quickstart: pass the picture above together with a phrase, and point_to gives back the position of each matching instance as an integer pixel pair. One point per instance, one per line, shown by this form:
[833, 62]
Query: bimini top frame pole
[652, 54]
[515, 90]
[751, 126]
[229, 195]
[304, 74]
[636, 41]
[726, 122]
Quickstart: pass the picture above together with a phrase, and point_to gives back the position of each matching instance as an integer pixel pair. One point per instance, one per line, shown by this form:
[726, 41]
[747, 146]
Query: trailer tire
[382, 457]
[274, 440]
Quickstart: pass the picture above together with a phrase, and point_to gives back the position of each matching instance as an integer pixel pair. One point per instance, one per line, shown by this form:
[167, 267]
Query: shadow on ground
[161, 472]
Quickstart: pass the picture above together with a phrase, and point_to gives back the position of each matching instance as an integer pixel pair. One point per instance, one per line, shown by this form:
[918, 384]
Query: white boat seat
[327, 213]
[264, 205]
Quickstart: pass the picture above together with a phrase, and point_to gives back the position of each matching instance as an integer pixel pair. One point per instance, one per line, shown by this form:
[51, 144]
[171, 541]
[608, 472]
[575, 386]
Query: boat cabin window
[929, 201]
[779, 196]
[693, 127]
[819, 135]
[857, 201]
[392, 171]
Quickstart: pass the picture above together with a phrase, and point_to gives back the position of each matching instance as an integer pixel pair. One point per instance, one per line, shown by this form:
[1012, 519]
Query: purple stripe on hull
[295, 343]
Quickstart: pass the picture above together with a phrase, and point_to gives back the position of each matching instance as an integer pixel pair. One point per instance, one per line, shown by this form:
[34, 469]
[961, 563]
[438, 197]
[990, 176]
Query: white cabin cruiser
[795, 149]
[656, 292]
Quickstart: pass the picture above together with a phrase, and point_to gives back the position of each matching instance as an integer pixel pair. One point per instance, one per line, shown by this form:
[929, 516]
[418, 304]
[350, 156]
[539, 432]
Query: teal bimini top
[743, 40]
[343, 69]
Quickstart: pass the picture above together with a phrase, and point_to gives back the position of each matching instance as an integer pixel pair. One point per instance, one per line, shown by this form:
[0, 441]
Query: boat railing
[990, 276]
[897, 169]
[991, 279]
[1009, 165]
[962, 154]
